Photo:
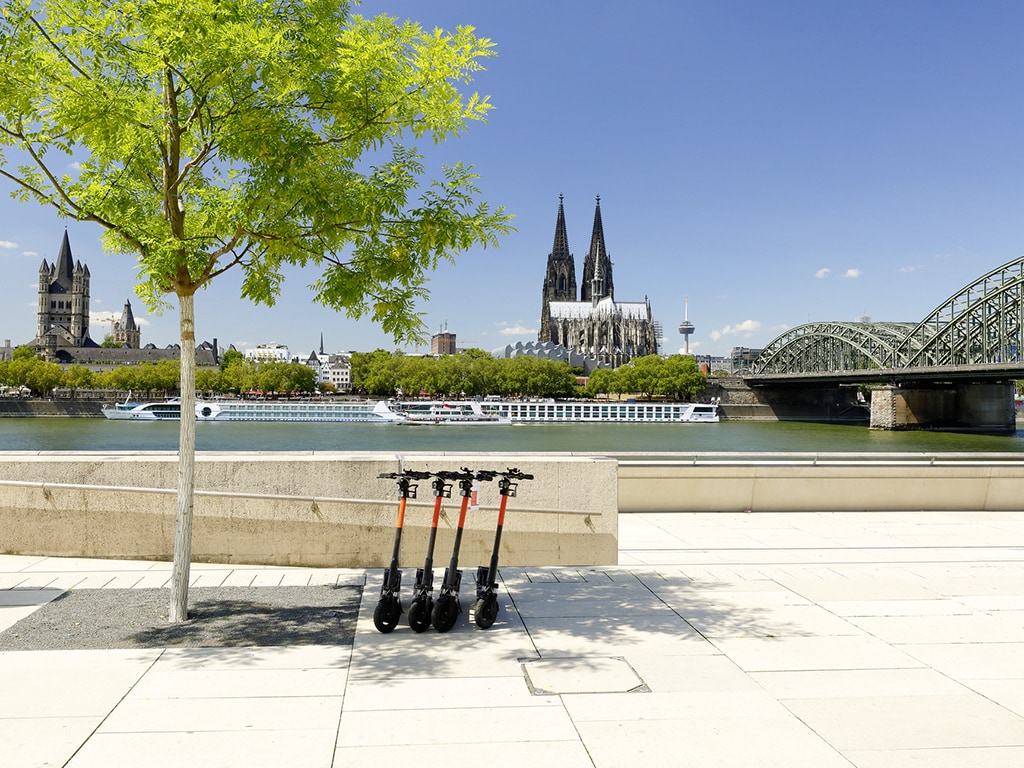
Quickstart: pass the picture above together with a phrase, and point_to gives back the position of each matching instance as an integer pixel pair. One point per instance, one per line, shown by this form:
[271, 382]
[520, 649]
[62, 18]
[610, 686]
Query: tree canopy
[212, 134]
[209, 135]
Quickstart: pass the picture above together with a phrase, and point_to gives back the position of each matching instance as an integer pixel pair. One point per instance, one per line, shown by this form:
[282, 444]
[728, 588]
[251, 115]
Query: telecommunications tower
[686, 327]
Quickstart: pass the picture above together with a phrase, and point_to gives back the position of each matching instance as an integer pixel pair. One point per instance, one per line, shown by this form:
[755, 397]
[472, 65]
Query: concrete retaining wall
[331, 509]
[301, 509]
[718, 485]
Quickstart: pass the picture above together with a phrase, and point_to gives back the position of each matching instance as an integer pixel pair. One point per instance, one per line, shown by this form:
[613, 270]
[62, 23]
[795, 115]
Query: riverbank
[25, 409]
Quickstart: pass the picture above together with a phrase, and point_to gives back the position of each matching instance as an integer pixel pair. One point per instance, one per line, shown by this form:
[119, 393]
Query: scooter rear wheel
[386, 614]
[419, 614]
[446, 611]
[485, 611]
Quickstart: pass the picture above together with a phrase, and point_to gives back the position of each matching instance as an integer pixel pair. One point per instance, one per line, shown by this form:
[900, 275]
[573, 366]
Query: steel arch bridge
[975, 333]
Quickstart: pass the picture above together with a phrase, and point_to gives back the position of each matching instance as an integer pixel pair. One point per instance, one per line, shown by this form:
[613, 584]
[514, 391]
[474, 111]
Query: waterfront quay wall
[303, 509]
[827, 404]
[836, 482]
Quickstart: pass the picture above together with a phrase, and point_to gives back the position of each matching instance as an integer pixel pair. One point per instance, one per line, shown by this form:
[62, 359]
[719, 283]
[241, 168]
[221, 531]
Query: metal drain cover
[582, 674]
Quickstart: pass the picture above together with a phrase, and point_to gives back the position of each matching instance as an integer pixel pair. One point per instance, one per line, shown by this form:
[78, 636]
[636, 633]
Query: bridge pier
[967, 406]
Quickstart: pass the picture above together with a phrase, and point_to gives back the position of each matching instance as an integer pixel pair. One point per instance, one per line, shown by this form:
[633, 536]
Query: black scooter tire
[387, 614]
[446, 611]
[419, 614]
[485, 611]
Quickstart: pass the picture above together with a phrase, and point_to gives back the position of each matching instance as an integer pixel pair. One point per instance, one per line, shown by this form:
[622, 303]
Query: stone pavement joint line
[755, 640]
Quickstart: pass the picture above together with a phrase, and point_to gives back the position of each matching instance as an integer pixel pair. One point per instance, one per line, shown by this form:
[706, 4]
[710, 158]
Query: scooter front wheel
[446, 611]
[419, 614]
[386, 614]
[485, 611]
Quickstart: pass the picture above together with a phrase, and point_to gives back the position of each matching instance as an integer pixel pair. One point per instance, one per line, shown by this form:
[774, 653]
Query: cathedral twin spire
[560, 281]
[609, 332]
[597, 268]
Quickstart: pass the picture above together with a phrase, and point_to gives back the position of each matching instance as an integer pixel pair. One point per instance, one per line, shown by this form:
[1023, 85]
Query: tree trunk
[186, 463]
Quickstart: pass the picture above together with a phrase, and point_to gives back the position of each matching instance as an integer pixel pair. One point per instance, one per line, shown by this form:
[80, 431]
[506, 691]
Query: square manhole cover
[582, 674]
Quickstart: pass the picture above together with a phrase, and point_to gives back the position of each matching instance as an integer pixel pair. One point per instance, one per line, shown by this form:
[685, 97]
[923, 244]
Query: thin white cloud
[821, 274]
[517, 330]
[852, 273]
[31, 254]
[7, 244]
[745, 329]
[909, 268]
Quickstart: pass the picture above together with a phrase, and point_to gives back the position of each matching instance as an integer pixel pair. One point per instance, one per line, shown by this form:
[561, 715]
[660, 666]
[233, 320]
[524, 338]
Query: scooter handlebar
[514, 474]
[409, 474]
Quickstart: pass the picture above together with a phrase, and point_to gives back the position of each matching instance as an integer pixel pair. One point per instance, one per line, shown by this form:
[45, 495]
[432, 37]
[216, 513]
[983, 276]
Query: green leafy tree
[646, 375]
[230, 357]
[208, 135]
[362, 363]
[599, 382]
[78, 376]
[683, 378]
[41, 377]
[239, 375]
[208, 380]
[381, 378]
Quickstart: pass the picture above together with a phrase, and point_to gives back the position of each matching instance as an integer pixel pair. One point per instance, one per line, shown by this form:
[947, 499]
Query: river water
[78, 434]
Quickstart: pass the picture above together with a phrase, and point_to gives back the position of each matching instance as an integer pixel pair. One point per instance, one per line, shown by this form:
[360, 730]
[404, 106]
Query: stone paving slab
[760, 640]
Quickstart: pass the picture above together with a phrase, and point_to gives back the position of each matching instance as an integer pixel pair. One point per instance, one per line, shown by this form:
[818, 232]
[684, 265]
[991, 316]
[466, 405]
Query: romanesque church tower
[595, 326]
[62, 319]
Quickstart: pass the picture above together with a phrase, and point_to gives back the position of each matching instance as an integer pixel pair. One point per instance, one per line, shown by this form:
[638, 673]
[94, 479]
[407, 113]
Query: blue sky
[775, 162]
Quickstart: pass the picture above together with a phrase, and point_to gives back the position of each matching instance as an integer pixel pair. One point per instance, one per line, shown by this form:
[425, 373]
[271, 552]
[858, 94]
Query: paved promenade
[735, 640]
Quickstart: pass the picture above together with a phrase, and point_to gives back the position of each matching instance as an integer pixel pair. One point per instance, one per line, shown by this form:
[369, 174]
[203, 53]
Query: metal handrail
[313, 500]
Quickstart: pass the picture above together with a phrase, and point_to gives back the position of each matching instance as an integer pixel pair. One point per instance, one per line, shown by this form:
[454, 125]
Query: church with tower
[62, 322]
[591, 322]
[62, 318]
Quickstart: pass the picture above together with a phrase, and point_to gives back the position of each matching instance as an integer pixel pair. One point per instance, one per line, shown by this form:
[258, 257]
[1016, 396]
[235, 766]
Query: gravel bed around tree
[83, 619]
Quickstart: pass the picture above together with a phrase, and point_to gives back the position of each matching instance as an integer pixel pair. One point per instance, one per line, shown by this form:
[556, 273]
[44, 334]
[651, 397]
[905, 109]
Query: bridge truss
[979, 326]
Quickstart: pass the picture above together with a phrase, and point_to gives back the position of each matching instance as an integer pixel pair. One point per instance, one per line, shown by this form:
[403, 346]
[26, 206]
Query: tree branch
[60, 51]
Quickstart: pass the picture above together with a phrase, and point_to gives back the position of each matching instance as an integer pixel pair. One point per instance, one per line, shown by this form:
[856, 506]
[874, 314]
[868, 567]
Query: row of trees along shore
[476, 373]
[377, 374]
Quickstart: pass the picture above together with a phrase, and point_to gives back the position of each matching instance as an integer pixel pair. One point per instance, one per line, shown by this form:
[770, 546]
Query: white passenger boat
[437, 412]
[445, 413]
[254, 410]
[562, 410]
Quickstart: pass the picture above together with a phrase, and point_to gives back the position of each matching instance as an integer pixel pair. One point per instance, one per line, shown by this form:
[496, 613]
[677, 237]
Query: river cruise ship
[254, 410]
[425, 412]
[558, 410]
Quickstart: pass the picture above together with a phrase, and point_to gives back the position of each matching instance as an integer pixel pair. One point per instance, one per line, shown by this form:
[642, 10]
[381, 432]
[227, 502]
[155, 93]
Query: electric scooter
[423, 601]
[447, 607]
[485, 609]
[389, 607]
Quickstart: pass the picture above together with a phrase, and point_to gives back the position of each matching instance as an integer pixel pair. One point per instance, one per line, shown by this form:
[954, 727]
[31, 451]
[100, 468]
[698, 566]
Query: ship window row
[595, 411]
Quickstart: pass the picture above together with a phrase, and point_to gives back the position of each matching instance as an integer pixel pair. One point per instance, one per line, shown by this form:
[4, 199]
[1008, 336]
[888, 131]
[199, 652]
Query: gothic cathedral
[596, 325]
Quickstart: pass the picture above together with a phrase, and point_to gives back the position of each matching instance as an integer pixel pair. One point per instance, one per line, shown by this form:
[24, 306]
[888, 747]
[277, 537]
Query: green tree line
[473, 373]
[236, 374]
[377, 374]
